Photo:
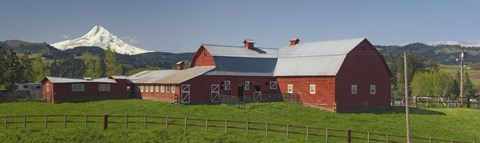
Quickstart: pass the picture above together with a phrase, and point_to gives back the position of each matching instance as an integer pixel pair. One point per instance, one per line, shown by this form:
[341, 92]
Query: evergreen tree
[89, 65]
[111, 65]
[2, 67]
[469, 89]
[39, 69]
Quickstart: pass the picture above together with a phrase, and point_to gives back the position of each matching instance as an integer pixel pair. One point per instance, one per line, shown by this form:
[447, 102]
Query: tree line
[425, 78]
[22, 68]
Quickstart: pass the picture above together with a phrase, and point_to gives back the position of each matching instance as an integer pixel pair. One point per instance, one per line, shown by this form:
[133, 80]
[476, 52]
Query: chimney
[180, 65]
[249, 44]
[294, 42]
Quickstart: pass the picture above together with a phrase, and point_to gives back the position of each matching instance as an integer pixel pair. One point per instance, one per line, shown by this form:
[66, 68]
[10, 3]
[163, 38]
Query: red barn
[342, 75]
[57, 89]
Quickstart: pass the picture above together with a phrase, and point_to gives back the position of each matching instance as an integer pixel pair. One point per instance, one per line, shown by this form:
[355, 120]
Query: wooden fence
[289, 131]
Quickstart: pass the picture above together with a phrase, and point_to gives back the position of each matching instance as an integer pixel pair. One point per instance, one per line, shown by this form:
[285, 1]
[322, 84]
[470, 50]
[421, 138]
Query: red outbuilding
[57, 89]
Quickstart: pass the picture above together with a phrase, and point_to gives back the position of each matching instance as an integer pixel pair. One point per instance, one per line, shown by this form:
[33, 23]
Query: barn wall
[324, 96]
[202, 58]
[363, 66]
[48, 96]
[62, 92]
[154, 95]
[200, 86]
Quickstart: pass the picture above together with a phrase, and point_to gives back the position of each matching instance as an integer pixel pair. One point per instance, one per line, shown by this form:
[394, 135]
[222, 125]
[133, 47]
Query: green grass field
[443, 123]
[453, 69]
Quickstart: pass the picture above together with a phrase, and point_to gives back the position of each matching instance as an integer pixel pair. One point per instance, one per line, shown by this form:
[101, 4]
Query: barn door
[185, 93]
[214, 93]
[257, 96]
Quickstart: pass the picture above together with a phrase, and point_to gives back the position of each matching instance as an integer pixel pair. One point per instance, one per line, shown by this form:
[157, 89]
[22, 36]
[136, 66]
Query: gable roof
[240, 61]
[327, 56]
[71, 80]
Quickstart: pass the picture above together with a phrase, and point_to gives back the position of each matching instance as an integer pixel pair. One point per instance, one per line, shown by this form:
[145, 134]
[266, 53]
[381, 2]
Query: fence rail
[307, 131]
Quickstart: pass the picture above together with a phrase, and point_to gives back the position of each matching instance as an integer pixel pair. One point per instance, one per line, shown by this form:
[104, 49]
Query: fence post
[306, 135]
[266, 129]
[64, 121]
[86, 120]
[105, 121]
[430, 140]
[24, 121]
[185, 126]
[326, 135]
[166, 123]
[206, 124]
[6, 123]
[349, 136]
[368, 137]
[288, 126]
[248, 125]
[226, 125]
[46, 120]
[387, 138]
[126, 121]
[145, 122]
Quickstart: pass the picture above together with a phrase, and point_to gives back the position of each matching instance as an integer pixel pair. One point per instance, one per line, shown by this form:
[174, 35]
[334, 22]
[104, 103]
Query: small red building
[57, 89]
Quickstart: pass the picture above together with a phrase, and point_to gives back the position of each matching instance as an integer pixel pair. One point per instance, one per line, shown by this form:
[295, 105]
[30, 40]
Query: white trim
[103, 87]
[354, 89]
[374, 87]
[47, 87]
[247, 85]
[78, 87]
[151, 88]
[273, 85]
[312, 86]
[227, 85]
[141, 88]
[157, 88]
[172, 88]
[162, 88]
[185, 93]
[290, 88]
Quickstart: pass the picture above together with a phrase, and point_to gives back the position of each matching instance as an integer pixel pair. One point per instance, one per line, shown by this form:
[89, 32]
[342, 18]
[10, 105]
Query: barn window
[167, 89]
[290, 88]
[354, 89]
[157, 88]
[103, 87]
[312, 88]
[247, 85]
[77, 87]
[273, 85]
[227, 85]
[162, 88]
[373, 89]
[151, 88]
[141, 88]
[47, 87]
[173, 88]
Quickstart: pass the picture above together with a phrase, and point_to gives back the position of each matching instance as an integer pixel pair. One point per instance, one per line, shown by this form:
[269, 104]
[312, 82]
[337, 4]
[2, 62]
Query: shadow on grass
[401, 110]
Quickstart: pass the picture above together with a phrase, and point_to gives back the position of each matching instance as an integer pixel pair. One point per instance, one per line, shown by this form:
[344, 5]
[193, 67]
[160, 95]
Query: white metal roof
[70, 80]
[169, 76]
[314, 59]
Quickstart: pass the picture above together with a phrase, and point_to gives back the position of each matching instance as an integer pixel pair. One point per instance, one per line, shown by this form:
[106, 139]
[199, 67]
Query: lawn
[444, 123]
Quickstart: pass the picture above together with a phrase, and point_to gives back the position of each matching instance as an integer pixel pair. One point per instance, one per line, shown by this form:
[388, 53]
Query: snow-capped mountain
[100, 37]
[461, 43]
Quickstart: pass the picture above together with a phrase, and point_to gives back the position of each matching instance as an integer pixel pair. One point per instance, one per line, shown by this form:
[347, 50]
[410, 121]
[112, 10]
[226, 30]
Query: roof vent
[88, 78]
[180, 65]
[249, 44]
[294, 42]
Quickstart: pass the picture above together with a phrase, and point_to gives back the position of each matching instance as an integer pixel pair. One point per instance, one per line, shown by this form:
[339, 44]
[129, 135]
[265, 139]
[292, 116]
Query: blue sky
[182, 25]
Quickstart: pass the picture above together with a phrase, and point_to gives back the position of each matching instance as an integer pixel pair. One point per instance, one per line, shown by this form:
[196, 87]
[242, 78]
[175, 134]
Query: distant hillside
[443, 54]
[151, 59]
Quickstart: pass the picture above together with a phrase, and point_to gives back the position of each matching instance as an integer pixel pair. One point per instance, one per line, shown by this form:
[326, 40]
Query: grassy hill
[453, 69]
[444, 123]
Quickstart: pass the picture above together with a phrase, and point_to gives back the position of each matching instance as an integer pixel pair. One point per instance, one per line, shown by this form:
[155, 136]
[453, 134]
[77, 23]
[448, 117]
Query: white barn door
[214, 93]
[185, 93]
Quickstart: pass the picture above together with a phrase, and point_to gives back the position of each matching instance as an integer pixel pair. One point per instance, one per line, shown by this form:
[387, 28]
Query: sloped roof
[169, 76]
[240, 61]
[71, 80]
[314, 59]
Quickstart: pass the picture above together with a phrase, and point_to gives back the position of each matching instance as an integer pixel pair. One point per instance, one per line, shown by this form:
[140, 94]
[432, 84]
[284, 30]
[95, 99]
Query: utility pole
[462, 55]
[407, 115]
